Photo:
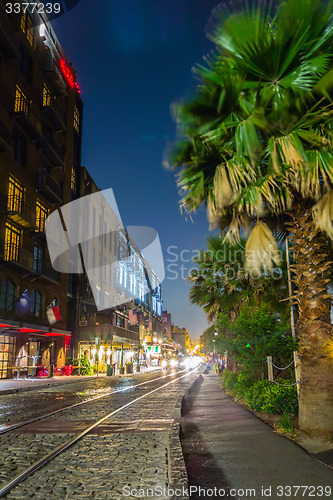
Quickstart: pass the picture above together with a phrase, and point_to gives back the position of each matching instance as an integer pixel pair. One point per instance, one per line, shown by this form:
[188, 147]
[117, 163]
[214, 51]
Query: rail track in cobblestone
[4, 429]
[27, 450]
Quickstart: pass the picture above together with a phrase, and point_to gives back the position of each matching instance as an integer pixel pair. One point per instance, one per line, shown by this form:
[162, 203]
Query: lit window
[47, 96]
[22, 103]
[12, 242]
[73, 179]
[27, 28]
[41, 215]
[15, 195]
[77, 119]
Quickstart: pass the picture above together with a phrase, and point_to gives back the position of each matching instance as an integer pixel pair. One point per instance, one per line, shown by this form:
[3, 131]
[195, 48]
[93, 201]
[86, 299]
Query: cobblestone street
[137, 448]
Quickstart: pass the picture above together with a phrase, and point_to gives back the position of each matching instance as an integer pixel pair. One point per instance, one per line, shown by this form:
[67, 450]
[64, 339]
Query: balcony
[55, 117]
[45, 271]
[53, 152]
[5, 139]
[18, 258]
[124, 335]
[8, 42]
[27, 119]
[20, 212]
[50, 67]
[46, 185]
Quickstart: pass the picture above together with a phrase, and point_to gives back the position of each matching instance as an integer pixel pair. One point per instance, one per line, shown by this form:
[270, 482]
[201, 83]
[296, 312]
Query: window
[27, 28]
[12, 242]
[77, 119]
[22, 103]
[15, 195]
[19, 147]
[36, 304]
[6, 354]
[41, 215]
[48, 97]
[25, 63]
[73, 179]
[8, 292]
[39, 254]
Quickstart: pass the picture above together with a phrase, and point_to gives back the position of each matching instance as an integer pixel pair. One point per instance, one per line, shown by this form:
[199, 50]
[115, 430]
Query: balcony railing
[8, 42]
[20, 212]
[5, 138]
[45, 270]
[54, 115]
[125, 334]
[49, 187]
[26, 117]
[49, 65]
[19, 257]
[53, 151]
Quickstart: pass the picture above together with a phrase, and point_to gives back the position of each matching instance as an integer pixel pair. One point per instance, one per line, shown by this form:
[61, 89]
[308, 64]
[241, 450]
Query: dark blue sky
[133, 59]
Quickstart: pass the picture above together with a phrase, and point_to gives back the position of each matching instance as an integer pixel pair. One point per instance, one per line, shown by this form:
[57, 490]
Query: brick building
[40, 158]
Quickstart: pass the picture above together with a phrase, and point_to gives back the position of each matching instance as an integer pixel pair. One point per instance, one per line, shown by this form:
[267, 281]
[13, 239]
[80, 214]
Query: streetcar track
[60, 449]
[17, 425]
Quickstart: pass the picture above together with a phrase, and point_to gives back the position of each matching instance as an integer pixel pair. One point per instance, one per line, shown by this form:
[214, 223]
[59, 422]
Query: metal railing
[20, 211]
[44, 180]
[18, 255]
[43, 268]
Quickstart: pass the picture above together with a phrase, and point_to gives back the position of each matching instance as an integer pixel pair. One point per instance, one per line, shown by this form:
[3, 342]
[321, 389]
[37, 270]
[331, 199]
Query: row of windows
[9, 294]
[22, 104]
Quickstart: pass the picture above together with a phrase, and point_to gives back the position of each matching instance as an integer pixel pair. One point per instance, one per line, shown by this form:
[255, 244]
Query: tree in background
[258, 152]
[220, 284]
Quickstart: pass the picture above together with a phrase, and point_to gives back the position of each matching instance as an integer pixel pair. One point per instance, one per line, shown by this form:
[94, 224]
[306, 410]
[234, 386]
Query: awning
[16, 327]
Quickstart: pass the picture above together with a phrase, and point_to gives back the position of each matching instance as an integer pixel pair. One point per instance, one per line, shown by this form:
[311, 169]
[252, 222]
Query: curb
[177, 474]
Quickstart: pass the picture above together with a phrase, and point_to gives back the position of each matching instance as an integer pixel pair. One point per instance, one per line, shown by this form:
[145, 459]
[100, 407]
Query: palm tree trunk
[314, 329]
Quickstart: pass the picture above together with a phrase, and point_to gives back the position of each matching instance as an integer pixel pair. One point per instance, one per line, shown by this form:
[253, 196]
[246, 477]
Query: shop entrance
[6, 355]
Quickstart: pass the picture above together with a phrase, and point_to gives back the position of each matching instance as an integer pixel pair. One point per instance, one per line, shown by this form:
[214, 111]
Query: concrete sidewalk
[227, 447]
[12, 386]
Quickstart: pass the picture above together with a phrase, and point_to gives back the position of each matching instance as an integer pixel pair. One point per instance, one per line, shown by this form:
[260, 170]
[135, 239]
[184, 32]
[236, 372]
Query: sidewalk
[227, 447]
[12, 386]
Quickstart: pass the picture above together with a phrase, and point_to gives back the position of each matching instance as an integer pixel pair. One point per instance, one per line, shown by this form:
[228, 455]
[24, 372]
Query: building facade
[40, 158]
[120, 295]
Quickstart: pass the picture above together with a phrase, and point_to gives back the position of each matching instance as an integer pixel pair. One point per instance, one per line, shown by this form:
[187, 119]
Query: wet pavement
[130, 450]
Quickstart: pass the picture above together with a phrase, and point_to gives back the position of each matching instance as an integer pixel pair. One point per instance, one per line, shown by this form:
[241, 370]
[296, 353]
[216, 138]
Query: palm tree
[220, 284]
[258, 150]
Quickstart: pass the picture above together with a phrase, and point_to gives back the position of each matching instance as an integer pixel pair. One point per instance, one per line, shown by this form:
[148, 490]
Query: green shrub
[229, 380]
[264, 396]
[286, 422]
[268, 397]
[85, 366]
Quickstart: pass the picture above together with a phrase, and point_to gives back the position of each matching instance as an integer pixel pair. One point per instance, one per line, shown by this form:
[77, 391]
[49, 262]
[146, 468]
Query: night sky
[133, 60]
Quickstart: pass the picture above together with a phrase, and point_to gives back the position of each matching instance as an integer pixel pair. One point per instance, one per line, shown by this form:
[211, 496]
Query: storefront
[29, 351]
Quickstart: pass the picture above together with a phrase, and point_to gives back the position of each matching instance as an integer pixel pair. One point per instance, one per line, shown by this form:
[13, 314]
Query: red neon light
[34, 330]
[69, 75]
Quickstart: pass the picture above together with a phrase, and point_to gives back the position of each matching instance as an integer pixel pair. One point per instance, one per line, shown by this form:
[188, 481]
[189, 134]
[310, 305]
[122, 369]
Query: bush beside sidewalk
[277, 406]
